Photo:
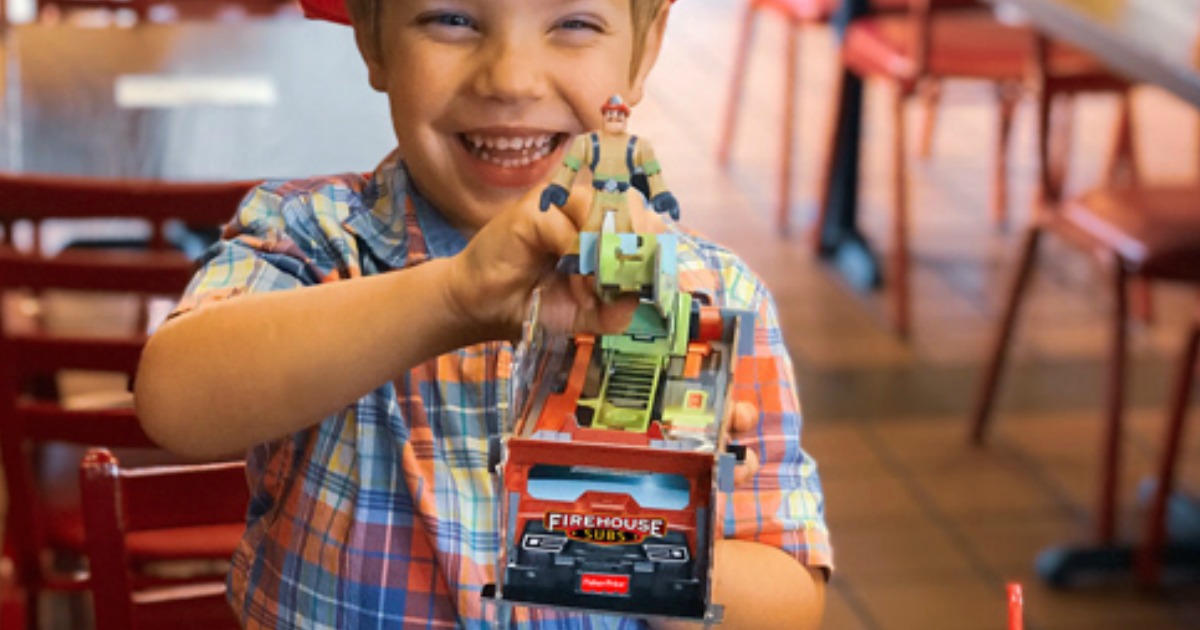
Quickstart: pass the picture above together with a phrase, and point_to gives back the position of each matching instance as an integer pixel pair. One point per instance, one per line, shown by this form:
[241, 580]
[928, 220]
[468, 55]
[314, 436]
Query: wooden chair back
[141, 8]
[119, 503]
[1054, 81]
[921, 13]
[12, 596]
[33, 356]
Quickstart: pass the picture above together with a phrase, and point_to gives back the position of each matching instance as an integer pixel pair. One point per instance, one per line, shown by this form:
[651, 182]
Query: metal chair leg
[986, 398]
[729, 129]
[791, 67]
[901, 301]
[1155, 535]
[1114, 413]
[1009, 96]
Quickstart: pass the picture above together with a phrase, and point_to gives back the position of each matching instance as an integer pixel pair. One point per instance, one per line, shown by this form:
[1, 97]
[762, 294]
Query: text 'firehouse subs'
[605, 528]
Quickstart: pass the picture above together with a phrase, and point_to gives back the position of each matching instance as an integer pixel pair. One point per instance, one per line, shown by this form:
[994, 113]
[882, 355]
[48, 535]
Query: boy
[366, 405]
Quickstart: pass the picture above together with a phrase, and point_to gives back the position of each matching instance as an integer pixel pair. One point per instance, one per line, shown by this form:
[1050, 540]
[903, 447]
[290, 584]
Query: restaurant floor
[927, 529]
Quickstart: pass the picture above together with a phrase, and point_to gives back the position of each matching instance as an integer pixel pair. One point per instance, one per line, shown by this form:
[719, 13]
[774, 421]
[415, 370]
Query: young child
[352, 334]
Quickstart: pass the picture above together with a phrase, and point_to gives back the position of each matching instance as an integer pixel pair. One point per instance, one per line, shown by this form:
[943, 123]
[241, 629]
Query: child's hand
[744, 422]
[491, 281]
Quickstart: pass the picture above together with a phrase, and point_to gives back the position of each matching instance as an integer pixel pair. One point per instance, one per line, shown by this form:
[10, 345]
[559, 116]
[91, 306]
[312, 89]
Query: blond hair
[365, 16]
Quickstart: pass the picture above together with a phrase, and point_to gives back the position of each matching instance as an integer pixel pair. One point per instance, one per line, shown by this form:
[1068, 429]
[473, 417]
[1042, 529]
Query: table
[1150, 40]
[840, 242]
[257, 98]
[1154, 42]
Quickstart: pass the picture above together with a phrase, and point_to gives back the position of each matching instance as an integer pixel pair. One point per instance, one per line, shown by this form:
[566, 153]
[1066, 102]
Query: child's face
[485, 93]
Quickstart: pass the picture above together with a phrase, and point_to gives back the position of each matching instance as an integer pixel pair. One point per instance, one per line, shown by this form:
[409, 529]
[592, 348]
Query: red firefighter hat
[615, 104]
[331, 10]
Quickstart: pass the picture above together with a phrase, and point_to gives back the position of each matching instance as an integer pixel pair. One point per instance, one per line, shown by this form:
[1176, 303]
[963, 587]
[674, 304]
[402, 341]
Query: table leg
[1171, 542]
[1064, 566]
[839, 240]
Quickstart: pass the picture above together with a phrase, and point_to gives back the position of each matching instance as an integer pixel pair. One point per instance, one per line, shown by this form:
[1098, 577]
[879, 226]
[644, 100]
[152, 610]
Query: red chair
[939, 40]
[12, 597]
[798, 13]
[1138, 231]
[123, 505]
[187, 8]
[1154, 537]
[45, 532]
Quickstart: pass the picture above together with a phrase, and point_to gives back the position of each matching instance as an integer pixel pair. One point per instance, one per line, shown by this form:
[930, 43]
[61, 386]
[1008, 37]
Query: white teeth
[532, 148]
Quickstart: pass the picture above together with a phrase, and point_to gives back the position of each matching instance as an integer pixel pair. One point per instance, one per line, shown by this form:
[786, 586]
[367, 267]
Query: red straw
[1016, 605]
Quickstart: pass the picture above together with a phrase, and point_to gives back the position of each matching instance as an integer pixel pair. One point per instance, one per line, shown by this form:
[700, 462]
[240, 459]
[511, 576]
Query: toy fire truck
[615, 446]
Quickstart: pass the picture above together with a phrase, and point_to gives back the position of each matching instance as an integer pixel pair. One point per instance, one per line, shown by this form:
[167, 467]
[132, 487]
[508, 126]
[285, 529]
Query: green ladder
[628, 392]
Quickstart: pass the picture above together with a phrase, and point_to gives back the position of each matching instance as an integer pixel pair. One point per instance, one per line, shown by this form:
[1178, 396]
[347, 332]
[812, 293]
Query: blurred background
[891, 322]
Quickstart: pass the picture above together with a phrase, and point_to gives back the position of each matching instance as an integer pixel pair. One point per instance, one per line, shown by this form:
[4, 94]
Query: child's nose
[510, 71]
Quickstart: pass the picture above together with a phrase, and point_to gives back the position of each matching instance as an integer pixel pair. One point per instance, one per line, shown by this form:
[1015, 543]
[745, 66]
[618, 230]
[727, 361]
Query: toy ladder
[630, 384]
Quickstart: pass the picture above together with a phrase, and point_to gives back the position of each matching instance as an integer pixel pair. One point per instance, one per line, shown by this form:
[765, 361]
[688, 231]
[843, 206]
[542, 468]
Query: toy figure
[615, 446]
[616, 159]
[607, 245]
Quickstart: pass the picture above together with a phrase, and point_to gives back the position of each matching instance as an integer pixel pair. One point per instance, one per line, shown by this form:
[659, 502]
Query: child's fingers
[744, 421]
[745, 472]
[583, 292]
[745, 417]
[580, 202]
[558, 308]
[607, 318]
[569, 306]
[559, 232]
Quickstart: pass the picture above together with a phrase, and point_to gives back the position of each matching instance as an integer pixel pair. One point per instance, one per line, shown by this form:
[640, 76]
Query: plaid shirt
[384, 515]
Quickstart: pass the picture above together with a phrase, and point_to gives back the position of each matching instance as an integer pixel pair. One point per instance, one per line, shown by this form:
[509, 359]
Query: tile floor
[928, 530]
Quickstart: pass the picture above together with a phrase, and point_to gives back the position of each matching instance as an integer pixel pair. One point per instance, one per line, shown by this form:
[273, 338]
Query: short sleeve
[278, 240]
[782, 505]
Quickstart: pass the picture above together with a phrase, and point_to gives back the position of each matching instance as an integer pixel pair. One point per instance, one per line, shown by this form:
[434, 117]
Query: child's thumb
[554, 231]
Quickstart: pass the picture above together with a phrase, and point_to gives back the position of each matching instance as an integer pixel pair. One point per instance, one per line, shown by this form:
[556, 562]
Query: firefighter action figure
[616, 159]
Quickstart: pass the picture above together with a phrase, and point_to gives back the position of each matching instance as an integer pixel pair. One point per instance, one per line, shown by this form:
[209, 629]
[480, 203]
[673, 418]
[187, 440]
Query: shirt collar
[441, 239]
[381, 221]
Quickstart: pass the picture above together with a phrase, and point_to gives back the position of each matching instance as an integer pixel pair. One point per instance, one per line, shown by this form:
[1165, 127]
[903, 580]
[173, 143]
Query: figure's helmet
[615, 104]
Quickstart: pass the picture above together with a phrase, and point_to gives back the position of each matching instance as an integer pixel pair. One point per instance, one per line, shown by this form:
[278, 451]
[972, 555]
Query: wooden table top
[1154, 41]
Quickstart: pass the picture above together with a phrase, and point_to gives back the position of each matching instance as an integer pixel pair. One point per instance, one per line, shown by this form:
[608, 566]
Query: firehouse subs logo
[605, 529]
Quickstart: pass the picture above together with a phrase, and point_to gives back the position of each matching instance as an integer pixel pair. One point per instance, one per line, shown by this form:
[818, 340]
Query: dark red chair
[798, 14]
[1154, 536]
[12, 597]
[1139, 231]
[185, 8]
[123, 505]
[940, 40]
[44, 537]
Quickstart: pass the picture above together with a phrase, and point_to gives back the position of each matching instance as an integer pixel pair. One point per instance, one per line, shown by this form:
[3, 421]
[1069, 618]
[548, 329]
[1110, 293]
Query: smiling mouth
[514, 151]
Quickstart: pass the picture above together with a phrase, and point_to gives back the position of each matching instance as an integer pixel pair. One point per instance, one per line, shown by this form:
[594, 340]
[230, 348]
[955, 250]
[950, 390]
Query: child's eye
[447, 20]
[577, 24]
[579, 30]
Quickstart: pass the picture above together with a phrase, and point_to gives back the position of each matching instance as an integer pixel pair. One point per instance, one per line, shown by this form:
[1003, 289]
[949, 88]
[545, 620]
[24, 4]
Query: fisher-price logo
[604, 584]
[605, 529]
